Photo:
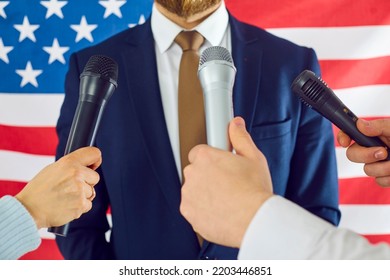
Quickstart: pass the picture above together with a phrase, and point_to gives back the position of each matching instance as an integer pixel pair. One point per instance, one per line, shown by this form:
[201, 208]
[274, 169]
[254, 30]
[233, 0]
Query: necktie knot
[189, 40]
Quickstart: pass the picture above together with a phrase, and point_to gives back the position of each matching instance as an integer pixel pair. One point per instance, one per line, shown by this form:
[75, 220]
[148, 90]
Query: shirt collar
[212, 28]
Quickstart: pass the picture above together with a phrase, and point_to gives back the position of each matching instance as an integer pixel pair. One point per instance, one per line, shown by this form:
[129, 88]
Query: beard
[187, 8]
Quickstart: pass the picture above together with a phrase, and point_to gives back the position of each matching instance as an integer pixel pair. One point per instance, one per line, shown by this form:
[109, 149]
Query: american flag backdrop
[351, 38]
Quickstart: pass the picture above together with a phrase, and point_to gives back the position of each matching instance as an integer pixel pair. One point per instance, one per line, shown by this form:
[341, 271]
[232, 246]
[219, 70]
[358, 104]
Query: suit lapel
[247, 57]
[141, 72]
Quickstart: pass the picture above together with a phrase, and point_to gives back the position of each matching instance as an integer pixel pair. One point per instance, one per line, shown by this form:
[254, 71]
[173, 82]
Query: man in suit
[141, 174]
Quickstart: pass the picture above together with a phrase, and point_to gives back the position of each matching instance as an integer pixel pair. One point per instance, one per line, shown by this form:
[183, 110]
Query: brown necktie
[192, 124]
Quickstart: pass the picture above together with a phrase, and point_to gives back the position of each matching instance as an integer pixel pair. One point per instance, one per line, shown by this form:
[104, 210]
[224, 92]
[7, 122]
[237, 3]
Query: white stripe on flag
[341, 42]
[48, 235]
[367, 101]
[108, 233]
[45, 234]
[30, 109]
[346, 168]
[366, 219]
[43, 109]
[21, 167]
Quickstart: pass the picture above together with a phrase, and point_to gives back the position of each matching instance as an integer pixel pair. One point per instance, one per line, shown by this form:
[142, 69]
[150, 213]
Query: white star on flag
[4, 51]
[56, 52]
[3, 4]
[112, 7]
[26, 30]
[54, 7]
[29, 75]
[140, 21]
[84, 30]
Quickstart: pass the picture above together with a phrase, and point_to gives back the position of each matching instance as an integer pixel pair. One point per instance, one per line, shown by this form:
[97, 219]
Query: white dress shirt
[216, 31]
[283, 230]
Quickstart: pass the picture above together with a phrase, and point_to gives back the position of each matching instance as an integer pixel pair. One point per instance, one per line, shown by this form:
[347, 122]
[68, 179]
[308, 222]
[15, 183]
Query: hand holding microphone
[63, 190]
[316, 94]
[97, 83]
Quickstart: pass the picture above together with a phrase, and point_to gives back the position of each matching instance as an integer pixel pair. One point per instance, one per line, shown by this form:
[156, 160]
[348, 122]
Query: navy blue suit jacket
[139, 178]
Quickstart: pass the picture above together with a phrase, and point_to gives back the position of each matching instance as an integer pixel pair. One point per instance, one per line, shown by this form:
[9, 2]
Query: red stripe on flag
[10, 188]
[311, 13]
[375, 239]
[362, 191]
[340, 74]
[48, 250]
[32, 140]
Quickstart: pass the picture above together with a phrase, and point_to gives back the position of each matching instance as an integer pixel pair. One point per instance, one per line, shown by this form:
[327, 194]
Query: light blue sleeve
[283, 230]
[18, 231]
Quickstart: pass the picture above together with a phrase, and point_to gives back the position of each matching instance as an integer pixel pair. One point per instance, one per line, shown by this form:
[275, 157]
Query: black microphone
[315, 93]
[97, 83]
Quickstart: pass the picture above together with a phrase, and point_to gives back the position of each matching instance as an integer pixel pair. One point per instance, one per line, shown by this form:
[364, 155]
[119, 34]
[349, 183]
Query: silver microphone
[216, 74]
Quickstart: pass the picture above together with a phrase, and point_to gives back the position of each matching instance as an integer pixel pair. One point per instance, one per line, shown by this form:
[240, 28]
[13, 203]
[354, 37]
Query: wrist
[38, 221]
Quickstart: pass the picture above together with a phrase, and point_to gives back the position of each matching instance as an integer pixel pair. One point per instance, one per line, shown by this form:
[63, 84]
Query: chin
[190, 10]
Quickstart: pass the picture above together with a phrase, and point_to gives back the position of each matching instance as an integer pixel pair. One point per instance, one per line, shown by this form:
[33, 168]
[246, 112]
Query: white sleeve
[283, 230]
[18, 231]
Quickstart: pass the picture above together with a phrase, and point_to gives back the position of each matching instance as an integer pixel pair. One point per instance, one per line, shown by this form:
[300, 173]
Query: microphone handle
[345, 120]
[219, 112]
[82, 134]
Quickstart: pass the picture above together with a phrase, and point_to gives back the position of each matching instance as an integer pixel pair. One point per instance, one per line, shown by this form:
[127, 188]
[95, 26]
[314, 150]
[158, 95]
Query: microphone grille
[313, 90]
[309, 88]
[103, 65]
[215, 53]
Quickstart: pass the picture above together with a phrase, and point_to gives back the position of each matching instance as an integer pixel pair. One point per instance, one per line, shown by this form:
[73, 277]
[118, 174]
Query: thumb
[241, 140]
[380, 127]
[87, 156]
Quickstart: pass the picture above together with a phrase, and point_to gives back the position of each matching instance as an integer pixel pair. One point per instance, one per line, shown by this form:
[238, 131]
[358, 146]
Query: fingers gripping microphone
[97, 83]
[216, 73]
[316, 94]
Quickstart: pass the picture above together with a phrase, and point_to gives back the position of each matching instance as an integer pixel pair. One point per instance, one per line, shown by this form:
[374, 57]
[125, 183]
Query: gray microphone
[216, 74]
